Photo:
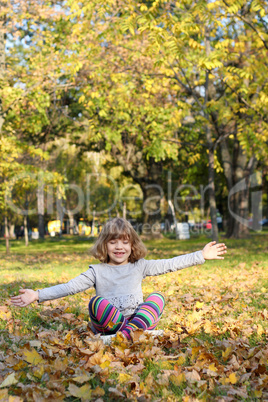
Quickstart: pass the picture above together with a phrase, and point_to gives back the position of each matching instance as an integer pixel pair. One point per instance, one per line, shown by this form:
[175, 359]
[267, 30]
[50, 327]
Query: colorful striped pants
[107, 319]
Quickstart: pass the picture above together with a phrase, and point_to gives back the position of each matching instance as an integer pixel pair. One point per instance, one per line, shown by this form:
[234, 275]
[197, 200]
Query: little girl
[118, 304]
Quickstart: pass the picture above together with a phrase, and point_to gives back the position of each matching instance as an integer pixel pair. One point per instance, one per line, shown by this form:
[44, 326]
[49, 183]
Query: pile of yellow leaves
[58, 364]
[214, 346]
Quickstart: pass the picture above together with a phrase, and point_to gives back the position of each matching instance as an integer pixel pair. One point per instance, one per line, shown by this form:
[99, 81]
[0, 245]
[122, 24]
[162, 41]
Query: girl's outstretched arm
[213, 251]
[26, 297]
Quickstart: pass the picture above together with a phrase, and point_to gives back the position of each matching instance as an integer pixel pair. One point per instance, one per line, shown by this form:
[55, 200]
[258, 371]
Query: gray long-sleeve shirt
[120, 284]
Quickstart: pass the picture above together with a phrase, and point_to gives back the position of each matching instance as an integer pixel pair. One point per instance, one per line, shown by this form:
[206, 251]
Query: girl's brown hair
[118, 228]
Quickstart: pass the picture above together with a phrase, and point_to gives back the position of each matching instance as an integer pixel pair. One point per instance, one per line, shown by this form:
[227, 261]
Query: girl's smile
[118, 251]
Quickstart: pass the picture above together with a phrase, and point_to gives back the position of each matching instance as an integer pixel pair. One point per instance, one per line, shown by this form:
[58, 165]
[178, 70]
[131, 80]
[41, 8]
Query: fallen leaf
[199, 305]
[97, 392]
[3, 394]
[115, 392]
[83, 378]
[9, 380]
[233, 379]
[32, 357]
[212, 367]
[123, 377]
[177, 379]
[192, 376]
[83, 392]
[226, 353]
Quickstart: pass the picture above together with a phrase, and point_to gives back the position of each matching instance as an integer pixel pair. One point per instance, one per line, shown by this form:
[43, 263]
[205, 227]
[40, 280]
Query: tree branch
[246, 103]
[250, 25]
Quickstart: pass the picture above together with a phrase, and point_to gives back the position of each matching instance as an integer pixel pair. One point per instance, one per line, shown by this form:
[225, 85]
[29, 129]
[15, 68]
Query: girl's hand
[213, 251]
[26, 297]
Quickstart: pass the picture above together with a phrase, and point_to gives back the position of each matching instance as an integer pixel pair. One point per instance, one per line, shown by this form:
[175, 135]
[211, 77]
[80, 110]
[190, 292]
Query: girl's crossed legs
[107, 319]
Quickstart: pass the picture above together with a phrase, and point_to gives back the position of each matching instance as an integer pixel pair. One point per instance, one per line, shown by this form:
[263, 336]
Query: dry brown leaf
[192, 376]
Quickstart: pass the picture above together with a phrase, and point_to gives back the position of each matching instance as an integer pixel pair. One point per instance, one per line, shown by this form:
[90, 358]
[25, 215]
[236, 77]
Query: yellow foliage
[123, 377]
[177, 379]
[32, 357]
[212, 367]
[227, 353]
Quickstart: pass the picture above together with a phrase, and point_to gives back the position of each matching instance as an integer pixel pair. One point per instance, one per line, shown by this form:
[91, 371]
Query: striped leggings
[107, 319]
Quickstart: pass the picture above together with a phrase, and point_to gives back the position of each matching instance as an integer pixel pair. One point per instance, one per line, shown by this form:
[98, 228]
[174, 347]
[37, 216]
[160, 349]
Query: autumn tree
[36, 103]
[215, 53]
[128, 106]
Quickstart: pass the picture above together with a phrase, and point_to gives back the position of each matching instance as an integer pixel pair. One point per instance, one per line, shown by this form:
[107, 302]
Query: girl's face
[118, 251]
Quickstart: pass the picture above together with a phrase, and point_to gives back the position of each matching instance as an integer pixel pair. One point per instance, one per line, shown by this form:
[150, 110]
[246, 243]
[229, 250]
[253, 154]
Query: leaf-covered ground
[214, 346]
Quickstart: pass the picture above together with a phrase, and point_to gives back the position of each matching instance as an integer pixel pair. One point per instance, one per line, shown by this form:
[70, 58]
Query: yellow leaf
[39, 371]
[181, 360]
[82, 378]
[179, 329]
[258, 393]
[20, 365]
[260, 330]
[9, 380]
[123, 377]
[81, 99]
[232, 378]
[212, 367]
[98, 392]
[61, 365]
[32, 357]
[99, 359]
[142, 386]
[226, 353]
[105, 364]
[195, 351]
[14, 399]
[199, 304]
[177, 379]
[5, 314]
[224, 381]
[3, 394]
[84, 392]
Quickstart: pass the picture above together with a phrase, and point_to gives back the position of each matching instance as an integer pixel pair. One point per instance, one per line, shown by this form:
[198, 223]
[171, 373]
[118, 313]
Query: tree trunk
[148, 174]
[237, 171]
[151, 209]
[152, 190]
[212, 198]
[2, 69]
[6, 235]
[71, 222]
[227, 164]
[170, 204]
[209, 89]
[60, 211]
[41, 209]
[93, 221]
[124, 210]
[26, 231]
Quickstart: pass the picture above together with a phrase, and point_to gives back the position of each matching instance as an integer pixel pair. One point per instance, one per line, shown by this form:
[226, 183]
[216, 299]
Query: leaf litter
[214, 346]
